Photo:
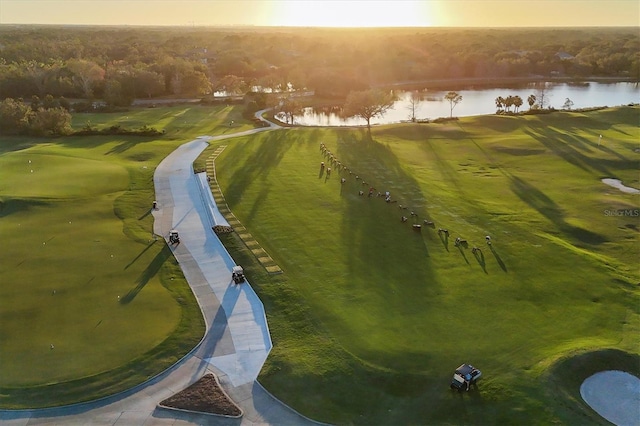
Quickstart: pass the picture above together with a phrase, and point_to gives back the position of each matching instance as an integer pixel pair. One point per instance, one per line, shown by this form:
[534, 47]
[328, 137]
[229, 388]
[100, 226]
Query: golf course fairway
[371, 316]
[91, 303]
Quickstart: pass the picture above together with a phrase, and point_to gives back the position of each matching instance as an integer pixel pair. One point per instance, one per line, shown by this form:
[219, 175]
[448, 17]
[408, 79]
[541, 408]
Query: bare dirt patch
[204, 396]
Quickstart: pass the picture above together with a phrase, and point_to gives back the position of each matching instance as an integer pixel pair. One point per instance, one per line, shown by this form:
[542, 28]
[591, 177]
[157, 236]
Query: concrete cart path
[233, 311]
[236, 341]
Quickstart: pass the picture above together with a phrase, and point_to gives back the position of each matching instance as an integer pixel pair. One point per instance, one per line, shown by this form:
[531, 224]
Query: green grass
[179, 122]
[370, 318]
[81, 269]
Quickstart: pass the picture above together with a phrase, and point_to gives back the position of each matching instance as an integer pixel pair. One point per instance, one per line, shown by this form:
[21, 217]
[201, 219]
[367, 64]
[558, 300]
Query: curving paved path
[237, 339]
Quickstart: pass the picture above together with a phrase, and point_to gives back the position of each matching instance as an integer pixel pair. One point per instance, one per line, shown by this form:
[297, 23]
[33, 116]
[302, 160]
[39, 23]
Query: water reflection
[481, 101]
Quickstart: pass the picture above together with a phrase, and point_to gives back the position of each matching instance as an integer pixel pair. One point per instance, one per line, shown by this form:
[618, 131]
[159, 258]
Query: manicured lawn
[179, 122]
[80, 268]
[371, 317]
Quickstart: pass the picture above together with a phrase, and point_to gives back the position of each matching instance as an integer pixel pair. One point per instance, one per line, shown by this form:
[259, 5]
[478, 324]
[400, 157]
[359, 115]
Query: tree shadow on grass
[539, 201]
[267, 150]
[150, 271]
[385, 259]
[16, 205]
[128, 143]
[575, 150]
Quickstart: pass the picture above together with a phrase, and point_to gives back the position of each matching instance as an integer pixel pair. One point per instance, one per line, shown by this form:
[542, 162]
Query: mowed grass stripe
[400, 309]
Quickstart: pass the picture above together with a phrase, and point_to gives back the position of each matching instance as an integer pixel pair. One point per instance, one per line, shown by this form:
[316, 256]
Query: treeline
[120, 64]
[48, 118]
[51, 117]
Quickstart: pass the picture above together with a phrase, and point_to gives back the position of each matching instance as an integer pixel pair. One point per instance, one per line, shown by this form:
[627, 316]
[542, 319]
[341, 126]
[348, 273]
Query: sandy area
[615, 395]
[616, 183]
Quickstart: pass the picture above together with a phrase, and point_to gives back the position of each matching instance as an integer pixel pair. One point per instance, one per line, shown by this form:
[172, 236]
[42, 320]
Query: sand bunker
[616, 183]
[615, 395]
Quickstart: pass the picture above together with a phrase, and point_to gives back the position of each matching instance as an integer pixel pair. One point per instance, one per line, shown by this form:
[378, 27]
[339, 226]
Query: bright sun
[354, 13]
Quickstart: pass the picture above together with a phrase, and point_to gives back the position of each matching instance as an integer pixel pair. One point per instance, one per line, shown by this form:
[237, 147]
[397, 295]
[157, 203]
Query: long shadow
[384, 259]
[150, 271]
[16, 143]
[461, 249]
[217, 329]
[147, 213]
[444, 237]
[539, 201]
[15, 205]
[267, 150]
[479, 255]
[498, 259]
[567, 146]
[140, 254]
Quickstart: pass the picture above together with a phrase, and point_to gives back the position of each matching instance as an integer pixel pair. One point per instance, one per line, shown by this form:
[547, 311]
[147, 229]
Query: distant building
[564, 56]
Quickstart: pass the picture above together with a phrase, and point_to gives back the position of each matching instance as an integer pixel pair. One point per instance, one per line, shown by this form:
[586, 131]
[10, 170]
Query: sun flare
[354, 13]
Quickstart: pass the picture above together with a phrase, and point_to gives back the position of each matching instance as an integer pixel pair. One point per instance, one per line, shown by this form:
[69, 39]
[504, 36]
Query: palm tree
[517, 102]
[499, 103]
[508, 102]
[531, 100]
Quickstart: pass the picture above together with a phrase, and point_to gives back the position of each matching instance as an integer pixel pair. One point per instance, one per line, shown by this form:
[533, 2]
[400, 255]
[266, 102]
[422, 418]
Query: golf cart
[465, 376]
[174, 238]
[237, 274]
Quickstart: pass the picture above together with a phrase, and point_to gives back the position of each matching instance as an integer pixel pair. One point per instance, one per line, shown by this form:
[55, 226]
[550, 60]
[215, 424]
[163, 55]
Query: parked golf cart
[237, 274]
[465, 376]
[174, 238]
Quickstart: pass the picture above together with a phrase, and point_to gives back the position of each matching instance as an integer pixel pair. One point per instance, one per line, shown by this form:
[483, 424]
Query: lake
[482, 102]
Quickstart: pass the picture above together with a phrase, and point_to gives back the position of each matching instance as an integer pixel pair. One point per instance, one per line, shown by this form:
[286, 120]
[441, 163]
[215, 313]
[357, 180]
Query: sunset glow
[325, 13]
[354, 13]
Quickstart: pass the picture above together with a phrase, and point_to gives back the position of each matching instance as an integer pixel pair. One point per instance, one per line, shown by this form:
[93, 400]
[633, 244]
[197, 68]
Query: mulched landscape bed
[204, 396]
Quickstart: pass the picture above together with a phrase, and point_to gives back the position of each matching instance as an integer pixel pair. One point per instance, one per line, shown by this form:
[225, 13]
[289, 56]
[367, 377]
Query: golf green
[91, 303]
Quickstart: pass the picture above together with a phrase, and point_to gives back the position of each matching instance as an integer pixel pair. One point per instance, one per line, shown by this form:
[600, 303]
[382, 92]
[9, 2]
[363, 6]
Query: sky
[325, 13]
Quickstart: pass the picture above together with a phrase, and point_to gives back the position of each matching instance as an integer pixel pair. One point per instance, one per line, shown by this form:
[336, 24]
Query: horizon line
[310, 26]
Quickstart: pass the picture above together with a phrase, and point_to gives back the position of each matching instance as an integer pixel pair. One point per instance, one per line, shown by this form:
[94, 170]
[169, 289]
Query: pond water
[616, 183]
[482, 102]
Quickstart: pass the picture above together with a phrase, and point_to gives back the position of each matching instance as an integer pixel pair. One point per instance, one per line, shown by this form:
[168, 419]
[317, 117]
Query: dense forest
[118, 64]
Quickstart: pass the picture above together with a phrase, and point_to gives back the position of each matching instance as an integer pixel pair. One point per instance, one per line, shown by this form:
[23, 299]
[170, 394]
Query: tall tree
[414, 102]
[14, 116]
[508, 102]
[85, 75]
[148, 83]
[542, 95]
[368, 104]
[231, 85]
[290, 107]
[50, 122]
[531, 100]
[499, 103]
[517, 102]
[568, 104]
[115, 95]
[194, 83]
[454, 99]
